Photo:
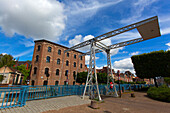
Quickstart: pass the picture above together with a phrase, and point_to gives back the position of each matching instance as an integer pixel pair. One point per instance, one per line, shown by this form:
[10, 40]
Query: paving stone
[37, 106]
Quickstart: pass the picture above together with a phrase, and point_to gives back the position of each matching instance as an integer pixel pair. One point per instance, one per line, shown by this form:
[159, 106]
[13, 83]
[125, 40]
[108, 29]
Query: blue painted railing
[14, 96]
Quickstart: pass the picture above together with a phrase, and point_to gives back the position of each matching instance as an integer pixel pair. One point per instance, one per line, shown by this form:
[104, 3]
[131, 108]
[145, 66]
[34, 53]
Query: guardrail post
[46, 92]
[23, 95]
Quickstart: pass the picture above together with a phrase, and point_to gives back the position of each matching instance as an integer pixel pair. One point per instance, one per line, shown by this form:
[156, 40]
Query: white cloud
[4, 53]
[99, 67]
[134, 53]
[125, 51]
[77, 39]
[136, 11]
[27, 43]
[78, 12]
[87, 59]
[123, 65]
[88, 6]
[168, 44]
[165, 31]
[37, 19]
[23, 53]
[127, 35]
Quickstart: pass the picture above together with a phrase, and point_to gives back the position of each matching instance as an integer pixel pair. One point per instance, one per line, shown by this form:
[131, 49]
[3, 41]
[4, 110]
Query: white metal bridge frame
[148, 28]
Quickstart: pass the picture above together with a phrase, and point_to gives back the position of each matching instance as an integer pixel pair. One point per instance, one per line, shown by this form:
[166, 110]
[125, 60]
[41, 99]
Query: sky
[69, 22]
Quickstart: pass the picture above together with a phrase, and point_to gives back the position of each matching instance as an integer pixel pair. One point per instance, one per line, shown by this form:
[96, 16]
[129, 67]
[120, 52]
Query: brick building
[47, 61]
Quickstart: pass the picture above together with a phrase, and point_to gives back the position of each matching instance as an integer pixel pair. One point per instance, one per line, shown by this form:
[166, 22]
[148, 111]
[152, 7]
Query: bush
[167, 80]
[161, 93]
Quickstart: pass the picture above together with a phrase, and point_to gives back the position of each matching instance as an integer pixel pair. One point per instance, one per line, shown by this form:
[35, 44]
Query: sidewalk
[38, 106]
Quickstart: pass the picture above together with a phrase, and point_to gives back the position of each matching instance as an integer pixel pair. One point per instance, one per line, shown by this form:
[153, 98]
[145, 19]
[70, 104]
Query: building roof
[14, 70]
[43, 40]
[23, 62]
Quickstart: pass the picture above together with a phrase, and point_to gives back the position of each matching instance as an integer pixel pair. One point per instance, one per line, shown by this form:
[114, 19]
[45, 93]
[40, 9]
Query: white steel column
[110, 74]
[92, 90]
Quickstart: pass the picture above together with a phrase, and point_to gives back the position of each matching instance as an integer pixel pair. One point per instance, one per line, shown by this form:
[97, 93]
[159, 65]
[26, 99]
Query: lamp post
[47, 75]
[118, 73]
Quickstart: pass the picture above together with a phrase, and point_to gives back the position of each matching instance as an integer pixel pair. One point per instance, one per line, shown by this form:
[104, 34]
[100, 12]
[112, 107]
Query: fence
[18, 95]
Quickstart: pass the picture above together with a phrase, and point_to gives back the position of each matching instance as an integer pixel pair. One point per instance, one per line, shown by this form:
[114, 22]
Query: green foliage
[167, 80]
[1, 78]
[81, 77]
[6, 60]
[140, 82]
[123, 82]
[161, 93]
[152, 64]
[24, 71]
[102, 78]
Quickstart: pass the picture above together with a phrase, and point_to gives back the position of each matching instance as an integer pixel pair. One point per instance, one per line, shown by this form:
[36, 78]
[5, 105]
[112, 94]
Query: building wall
[8, 77]
[41, 64]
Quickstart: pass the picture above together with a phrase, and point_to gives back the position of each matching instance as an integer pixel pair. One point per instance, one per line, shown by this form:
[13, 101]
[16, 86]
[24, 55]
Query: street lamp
[47, 75]
[118, 73]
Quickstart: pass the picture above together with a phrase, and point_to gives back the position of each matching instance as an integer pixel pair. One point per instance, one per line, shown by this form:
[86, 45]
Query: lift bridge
[148, 29]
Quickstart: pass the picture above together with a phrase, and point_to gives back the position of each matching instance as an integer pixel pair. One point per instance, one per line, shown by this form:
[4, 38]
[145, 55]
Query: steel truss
[148, 29]
[91, 82]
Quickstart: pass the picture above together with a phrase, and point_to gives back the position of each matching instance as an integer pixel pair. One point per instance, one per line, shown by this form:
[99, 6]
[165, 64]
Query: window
[81, 58]
[75, 56]
[35, 70]
[74, 64]
[48, 59]
[37, 57]
[74, 75]
[32, 82]
[49, 49]
[74, 82]
[56, 83]
[81, 65]
[58, 61]
[46, 71]
[67, 54]
[39, 48]
[45, 82]
[59, 52]
[67, 63]
[65, 82]
[66, 73]
[57, 71]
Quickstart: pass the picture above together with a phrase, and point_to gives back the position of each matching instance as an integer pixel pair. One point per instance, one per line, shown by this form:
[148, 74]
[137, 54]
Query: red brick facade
[40, 62]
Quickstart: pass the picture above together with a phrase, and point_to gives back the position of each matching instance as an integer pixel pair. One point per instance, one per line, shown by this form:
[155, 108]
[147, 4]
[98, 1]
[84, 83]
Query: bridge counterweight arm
[112, 33]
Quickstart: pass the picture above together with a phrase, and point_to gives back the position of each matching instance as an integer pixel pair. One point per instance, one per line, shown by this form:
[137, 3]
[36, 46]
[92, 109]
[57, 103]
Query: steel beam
[113, 33]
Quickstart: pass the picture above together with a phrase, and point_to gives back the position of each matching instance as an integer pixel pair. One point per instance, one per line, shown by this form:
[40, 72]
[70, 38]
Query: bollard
[123, 89]
[94, 104]
[132, 95]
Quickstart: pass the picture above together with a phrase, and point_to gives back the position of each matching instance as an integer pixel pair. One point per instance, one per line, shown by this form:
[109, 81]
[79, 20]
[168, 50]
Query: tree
[81, 77]
[167, 80]
[24, 71]
[6, 60]
[152, 65]
[102, 78]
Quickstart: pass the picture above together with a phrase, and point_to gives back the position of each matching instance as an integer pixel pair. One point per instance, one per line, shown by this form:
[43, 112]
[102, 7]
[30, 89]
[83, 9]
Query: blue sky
[69, 22]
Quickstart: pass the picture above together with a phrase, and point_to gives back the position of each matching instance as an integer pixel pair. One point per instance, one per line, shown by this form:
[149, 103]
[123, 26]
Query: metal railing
[16, 95]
